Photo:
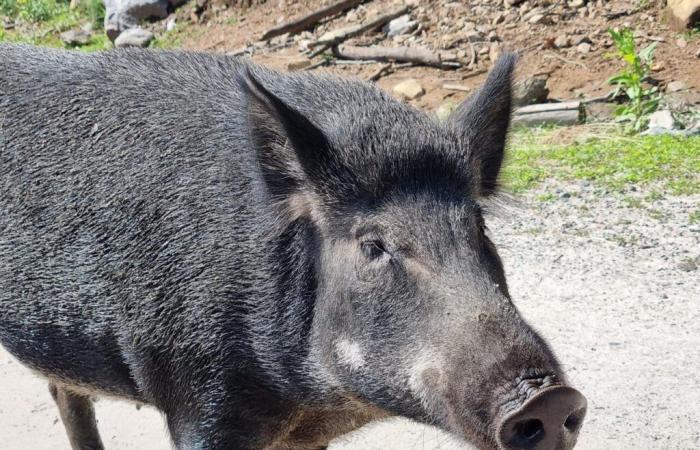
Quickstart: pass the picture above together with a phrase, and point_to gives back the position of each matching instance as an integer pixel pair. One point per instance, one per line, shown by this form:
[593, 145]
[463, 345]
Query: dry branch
[381, 70]
[305, 22]
[564, 113]
[456, 87]
[359, 29]
[400, 54]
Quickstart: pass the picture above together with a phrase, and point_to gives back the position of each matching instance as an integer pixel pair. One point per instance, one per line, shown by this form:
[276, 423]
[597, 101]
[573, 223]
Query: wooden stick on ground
[401, 54]
[381, 70]
[357, 30]
[456, 87]
[564, 113]
[305, 22]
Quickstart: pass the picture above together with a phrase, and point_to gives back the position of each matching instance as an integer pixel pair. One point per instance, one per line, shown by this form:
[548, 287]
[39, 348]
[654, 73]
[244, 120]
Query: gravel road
[612, 280]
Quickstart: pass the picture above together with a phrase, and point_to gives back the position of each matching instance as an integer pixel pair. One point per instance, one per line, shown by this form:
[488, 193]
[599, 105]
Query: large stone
[400, 25]
[122, 15]
[530, 91]
[562, 41]
[584, 48]
[662, 119]
[444, 110]
[75, 37]
[675, 86]
[409, 89]
[683, 14]
[145, 9]
[134, 37]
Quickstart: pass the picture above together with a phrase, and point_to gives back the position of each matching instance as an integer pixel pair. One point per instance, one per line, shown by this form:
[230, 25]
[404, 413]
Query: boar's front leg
[78, 416]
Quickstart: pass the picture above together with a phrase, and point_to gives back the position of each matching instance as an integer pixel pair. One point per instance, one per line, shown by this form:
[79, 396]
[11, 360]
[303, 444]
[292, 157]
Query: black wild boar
[270, 260]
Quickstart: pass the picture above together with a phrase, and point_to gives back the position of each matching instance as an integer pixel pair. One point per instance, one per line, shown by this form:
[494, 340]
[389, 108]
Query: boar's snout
[550, 420]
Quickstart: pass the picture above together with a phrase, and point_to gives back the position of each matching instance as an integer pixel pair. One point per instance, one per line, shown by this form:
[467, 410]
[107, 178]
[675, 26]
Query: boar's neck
[281, 324]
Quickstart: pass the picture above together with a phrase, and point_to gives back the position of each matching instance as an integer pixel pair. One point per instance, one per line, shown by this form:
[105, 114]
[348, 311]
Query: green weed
[642, 101]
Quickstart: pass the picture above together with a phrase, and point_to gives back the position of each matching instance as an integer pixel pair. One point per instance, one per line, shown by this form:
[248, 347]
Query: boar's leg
[78, 416]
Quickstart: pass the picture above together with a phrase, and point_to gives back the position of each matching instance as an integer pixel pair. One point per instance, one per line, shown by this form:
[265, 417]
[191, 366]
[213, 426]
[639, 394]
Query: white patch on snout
[349, 354]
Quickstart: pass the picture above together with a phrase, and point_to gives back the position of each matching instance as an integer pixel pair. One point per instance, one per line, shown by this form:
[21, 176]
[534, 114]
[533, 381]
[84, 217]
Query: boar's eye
[373, 249]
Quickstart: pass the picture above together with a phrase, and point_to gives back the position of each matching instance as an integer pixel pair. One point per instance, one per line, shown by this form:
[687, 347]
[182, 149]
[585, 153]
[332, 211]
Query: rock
[298, 64]
[122, 15]
[698, 53]
[537, 18]
[600, 112]
[675, 86]
[75, 37]
[144, 9]
[493, 37]
[513, 2]
[170, 23]
[662, 119]
[530, 91]
[683, 14]
[495, 50]
[688, 265]
[577, 3]
[583, 48]
[498, 18]
[400, 25]
[562, 41]
[474, 36]
[409, 89]
[444, 110]
[681, 43]
[134, 37]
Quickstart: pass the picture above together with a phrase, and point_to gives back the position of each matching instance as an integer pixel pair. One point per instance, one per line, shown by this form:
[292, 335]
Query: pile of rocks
[122, 18]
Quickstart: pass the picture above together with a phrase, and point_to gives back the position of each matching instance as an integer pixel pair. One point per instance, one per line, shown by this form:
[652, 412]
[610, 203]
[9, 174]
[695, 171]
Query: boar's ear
[483, 121]
[290, 149]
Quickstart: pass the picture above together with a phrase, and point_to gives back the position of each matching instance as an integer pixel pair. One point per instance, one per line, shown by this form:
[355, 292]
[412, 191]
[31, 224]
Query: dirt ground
[446, 25]
[612, 285]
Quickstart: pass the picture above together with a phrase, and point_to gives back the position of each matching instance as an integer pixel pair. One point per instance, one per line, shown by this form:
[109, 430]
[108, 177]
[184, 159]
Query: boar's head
[412, 312]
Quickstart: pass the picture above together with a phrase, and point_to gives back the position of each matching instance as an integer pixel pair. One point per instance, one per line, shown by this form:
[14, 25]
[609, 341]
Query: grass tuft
[614, 160]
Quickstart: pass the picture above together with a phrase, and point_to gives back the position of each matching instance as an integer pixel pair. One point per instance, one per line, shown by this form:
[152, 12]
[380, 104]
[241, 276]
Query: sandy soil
[610, 283]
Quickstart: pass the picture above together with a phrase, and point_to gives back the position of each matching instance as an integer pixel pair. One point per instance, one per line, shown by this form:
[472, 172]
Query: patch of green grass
[654, 196]
[694, 217]
[614, 161]
[40, 22]
[546, 197]
[174, 38]
[633, 202]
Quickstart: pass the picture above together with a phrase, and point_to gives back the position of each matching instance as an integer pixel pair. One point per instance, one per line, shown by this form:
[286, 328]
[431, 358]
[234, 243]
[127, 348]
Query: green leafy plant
[642, 100]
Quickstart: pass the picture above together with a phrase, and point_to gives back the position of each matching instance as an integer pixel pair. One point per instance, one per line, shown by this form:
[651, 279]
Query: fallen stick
[399, 54]
[456, 87]
[320, 63]
[567, 61]
[359, 29]
[305, 22]
[564, 113]
[381, 70]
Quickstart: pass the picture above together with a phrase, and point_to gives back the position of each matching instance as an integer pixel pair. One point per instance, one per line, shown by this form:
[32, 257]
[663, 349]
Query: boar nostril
[548, 420]
[573, 422]
[528, 432]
